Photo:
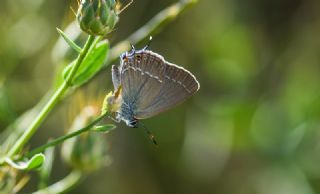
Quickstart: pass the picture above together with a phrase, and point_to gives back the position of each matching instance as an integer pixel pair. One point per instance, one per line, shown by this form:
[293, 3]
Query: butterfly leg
[115, 117]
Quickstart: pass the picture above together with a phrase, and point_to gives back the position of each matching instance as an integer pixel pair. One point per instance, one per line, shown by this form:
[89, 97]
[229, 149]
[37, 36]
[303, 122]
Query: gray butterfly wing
[115, 77]
[141, 77]
[150, 85]
[177, 85]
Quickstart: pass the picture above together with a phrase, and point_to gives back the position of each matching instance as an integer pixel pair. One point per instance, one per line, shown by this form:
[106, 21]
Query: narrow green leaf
[35, 162]
[69, 41]
[46, 169]
[93, 62]
[67, 70]
[103, 128]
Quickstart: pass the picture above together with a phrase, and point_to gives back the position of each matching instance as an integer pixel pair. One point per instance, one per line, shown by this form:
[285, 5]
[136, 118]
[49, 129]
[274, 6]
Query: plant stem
[65, 137]
[63, 185]
[51, 103]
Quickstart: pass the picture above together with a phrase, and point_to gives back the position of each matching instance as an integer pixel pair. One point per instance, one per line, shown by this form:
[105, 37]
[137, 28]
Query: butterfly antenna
[132, 47]
[150, 134]
[148, 44]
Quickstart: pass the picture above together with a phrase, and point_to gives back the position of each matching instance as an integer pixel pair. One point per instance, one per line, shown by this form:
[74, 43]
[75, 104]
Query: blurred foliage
[86, 151]
[253, 127]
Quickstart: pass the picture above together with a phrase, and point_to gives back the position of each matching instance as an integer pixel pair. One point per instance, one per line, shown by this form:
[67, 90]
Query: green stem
[65, 137]
[63, 185]
[51, 103]
[81, 56]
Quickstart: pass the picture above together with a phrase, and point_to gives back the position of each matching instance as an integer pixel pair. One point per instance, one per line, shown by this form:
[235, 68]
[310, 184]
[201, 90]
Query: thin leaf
[103, 128]
[45, 171]
[69, 41]
[93, 62]
[35, 162]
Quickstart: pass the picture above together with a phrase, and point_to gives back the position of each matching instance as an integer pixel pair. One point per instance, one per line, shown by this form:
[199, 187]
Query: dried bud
[86, 151]
[97, 17]
[7, 179]
[112, 101]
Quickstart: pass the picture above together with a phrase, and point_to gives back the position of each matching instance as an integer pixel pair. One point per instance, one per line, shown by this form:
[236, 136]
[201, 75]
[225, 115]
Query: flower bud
[86, 151]
[97, 17]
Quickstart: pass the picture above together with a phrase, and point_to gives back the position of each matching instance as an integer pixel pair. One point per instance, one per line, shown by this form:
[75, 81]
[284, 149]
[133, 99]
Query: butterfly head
[128, 54]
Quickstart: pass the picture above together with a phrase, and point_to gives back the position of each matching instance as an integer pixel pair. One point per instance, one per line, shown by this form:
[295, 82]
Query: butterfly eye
[124, 57]
[138, 57]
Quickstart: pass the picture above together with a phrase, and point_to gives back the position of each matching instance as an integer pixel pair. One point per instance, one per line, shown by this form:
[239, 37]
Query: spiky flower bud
[97, 17]
[86, 151]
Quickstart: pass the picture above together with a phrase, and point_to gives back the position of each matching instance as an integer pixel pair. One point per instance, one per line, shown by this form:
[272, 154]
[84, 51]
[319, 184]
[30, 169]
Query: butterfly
[146, 84]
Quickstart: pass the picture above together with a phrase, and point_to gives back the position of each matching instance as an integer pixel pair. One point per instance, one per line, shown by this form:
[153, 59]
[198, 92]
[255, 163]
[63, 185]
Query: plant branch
[51, 103]
[65, 137]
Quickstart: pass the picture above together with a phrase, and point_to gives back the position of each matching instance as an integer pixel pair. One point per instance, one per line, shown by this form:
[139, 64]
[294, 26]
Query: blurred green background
[253, 127]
